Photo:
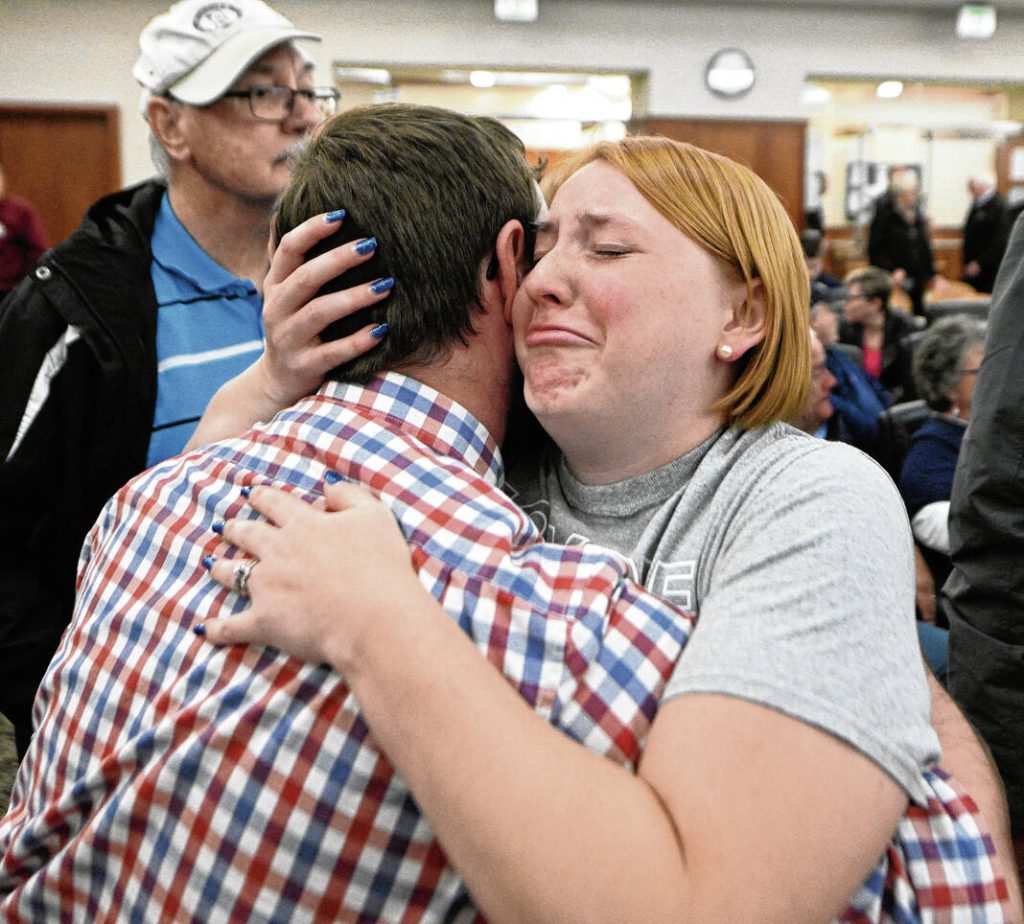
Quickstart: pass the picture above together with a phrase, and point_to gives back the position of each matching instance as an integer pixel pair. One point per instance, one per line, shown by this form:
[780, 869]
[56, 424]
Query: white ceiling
[1002, 6]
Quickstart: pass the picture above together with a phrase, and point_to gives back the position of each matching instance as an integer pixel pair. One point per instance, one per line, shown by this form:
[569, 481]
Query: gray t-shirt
[796, 556]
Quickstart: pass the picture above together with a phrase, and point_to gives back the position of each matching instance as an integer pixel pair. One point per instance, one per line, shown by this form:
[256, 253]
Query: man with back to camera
[246, 787]
[111, 349]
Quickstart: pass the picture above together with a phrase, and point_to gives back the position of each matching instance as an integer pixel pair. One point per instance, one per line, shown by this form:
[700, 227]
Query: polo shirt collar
[178, 253]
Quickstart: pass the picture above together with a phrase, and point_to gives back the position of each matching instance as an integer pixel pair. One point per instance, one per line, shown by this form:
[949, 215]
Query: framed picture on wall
[866, 182]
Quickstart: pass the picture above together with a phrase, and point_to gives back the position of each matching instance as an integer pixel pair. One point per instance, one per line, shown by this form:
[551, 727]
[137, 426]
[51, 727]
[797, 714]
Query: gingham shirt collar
[419, 411]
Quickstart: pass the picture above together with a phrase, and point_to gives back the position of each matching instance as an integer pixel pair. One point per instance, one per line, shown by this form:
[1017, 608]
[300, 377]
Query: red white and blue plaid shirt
[172, 780]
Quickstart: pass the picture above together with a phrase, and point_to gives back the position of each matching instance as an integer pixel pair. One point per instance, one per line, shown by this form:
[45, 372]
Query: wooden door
[774, 150]
[61, 158]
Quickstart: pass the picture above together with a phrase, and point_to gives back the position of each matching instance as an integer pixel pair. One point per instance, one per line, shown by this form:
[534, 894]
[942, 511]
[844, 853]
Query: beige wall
[83, 50]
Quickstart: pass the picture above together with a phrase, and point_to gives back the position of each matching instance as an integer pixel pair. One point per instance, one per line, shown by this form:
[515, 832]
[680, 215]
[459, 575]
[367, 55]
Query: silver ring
[242, 571]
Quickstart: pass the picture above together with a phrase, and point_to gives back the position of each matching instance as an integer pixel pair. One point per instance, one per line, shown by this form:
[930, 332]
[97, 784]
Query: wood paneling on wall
[62, 158]
[774, 150]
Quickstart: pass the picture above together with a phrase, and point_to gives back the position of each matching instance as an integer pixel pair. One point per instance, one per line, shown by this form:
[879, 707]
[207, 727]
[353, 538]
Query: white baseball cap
[198, 49]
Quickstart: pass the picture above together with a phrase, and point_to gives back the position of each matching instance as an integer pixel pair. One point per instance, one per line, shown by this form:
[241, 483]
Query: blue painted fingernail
[335, 216]
[199, 629]
[246, 491]
[332, 477]
[382, 285]
[365, 246]
[208, 561]
[218, 527]
[379, 331]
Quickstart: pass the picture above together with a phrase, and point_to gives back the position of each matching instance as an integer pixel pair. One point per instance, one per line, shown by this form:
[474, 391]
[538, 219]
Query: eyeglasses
[275, 104]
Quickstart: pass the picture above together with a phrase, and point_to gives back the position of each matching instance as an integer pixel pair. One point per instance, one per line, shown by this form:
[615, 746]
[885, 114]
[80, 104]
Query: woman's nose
[550, 279]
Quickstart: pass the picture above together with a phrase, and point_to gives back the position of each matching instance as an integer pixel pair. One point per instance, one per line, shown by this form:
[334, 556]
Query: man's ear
[745, 326]
[509, 263]
[166, 123]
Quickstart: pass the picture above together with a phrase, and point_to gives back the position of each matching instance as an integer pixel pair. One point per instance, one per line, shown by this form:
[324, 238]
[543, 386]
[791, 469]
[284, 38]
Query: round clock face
[730, 73]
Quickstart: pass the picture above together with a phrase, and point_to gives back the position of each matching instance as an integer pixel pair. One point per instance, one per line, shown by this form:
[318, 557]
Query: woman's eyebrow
[592, 220]
[588, 222]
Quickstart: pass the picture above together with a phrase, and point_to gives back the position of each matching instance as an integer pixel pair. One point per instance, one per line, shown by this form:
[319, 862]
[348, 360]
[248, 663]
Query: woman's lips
[551, 335]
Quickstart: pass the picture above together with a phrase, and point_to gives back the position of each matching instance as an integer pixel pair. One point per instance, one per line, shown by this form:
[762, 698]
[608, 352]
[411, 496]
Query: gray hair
[939, 357]
[158, 155]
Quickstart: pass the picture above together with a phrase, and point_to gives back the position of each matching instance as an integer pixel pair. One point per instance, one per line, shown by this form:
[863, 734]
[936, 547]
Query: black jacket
[77, 343]
[986, 531]
[896, 243]
[895, 375]
[985, 235]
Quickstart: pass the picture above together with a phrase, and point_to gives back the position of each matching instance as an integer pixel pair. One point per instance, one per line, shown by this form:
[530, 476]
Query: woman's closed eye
[611, 250]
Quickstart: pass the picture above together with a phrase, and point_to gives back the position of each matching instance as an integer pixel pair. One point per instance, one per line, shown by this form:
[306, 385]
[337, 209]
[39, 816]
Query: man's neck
[487, 398]
[231, 231]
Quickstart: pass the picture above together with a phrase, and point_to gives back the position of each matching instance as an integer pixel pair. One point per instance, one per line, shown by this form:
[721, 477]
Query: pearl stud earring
[725, 351]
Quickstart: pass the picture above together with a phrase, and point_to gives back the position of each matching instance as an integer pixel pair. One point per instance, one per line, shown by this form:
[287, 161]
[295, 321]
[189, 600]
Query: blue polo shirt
[209, 327]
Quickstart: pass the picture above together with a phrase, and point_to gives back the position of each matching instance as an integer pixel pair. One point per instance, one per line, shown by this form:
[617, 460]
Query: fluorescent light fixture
[377, 75]
[482, 79]
[814, 95]
[614, 86]
[976, 21]
[889, 89]
[515, 10]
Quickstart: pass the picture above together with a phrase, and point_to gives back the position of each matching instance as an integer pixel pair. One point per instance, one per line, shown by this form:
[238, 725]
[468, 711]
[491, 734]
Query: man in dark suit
[985, 233]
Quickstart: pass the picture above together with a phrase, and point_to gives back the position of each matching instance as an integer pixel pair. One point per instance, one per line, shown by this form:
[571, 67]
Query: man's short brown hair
[434, 187]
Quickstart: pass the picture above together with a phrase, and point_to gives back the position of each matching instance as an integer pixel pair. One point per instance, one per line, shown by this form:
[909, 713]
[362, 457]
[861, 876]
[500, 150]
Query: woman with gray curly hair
[945, 368]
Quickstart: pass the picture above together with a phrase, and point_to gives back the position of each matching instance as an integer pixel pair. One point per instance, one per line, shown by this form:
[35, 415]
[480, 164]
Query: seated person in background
[856, 397]
[946, 365]
[822, 283]
[816, 418]
[877, 329]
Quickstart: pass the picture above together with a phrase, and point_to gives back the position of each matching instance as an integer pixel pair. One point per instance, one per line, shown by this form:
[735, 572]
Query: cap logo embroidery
[216, 16]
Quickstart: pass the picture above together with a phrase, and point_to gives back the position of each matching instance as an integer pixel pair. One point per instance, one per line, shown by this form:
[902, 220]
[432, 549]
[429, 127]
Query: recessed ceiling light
[377, 75]
[515, 10]
[889, 89]
[814, 95]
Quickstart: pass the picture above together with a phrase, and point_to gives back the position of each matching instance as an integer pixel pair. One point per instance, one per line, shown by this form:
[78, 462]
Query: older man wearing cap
[111, 349]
